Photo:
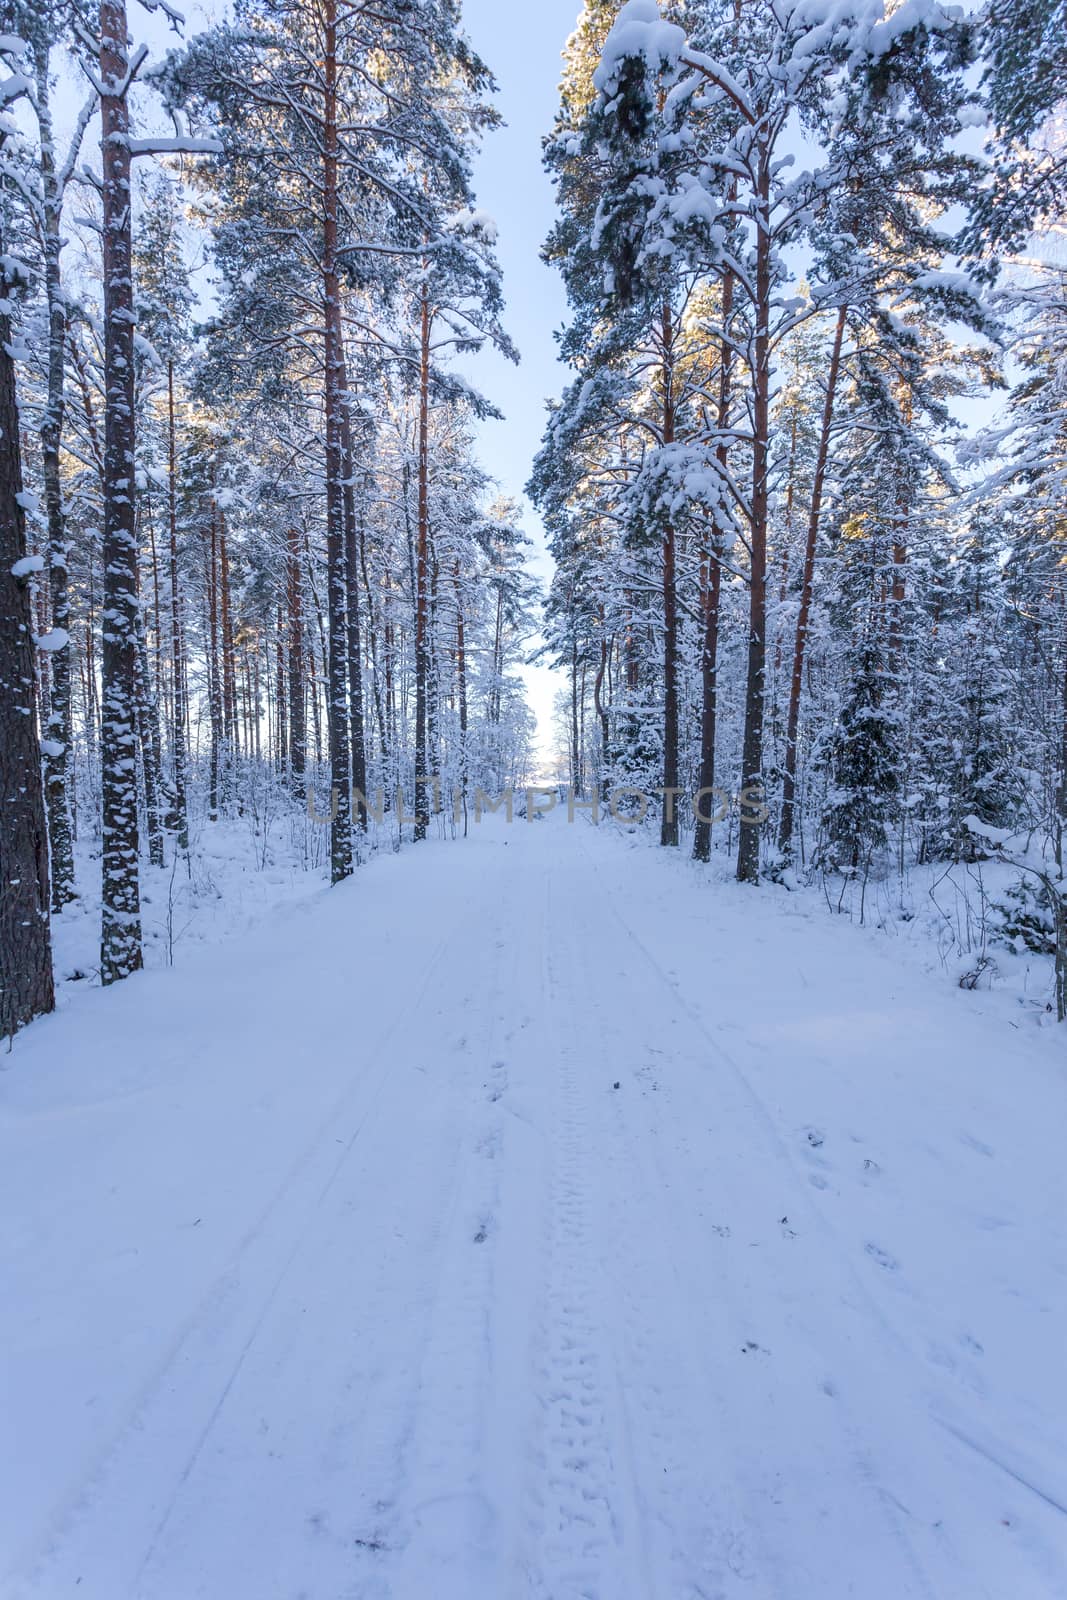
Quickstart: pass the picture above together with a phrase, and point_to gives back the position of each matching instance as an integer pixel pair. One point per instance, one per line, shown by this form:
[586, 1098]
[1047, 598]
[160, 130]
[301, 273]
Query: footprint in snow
[813, 1143]
[882, 1257]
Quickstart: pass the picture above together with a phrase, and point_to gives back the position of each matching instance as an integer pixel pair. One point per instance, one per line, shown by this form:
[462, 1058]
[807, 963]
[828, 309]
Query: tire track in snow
[181, 1402]
[849, 1348]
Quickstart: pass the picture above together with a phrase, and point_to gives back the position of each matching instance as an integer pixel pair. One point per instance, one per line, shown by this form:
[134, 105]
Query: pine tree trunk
[785, 833]
[229, 658]
[710, 599]
[422, 574]
[177, 630]
[602, 711]
[353, 546]
[461, 676]
[281, 691]
[59, 725]
[669, 818]
[148, 731]
[748, 848]
[709, 699]
[379, 709]
[576, 736]
[214, 680]
[121, 922]
[335, 402]
[26, 988]
[297, 694]
[433, 690]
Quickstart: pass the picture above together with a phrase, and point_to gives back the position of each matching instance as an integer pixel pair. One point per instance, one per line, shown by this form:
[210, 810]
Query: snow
[471, 221]
[55, 639]
[626, 1233]
[638, 30]
[27, 565]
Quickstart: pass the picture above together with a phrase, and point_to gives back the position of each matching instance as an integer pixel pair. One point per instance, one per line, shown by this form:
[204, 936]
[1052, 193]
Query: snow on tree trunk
[422, 571]
[785, 834]
[26, 989]
[120, 952]
[353, 544]
[748, 848]
[335, 401]
[58, 725]
[669, 817]
[177, 636]
[297, 705]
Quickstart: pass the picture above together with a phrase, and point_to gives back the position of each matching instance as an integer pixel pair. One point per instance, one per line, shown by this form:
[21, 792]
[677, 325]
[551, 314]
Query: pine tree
[26, 985]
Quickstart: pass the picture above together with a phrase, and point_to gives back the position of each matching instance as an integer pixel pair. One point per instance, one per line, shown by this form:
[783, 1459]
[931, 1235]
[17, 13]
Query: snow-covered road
[529, 1218]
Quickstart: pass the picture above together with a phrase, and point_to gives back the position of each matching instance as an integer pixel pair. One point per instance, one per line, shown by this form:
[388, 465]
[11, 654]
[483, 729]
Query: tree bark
[422, 572]
[461, 677]
[120, 952]
[26, 987]
[229, 657]
[148, 731]
[711, 594]
[748, 848]
[785, 832]
[669, 816]
[335, 401]
[177, 629]
[353, 546]
[297, 695]
[214, 676]
[59, 724]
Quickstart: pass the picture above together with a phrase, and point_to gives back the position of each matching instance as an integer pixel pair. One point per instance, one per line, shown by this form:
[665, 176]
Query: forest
[803, 492]
[533, 793]
[251, 563]
[803, 489]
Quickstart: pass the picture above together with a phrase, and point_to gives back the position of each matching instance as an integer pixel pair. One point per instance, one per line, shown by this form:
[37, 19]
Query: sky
[522, 45]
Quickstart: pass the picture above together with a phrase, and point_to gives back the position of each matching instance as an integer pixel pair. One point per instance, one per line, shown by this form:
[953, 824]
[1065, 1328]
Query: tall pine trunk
[748, 848]
[229, 657]
[461, 679]
[335, 402]
[711, 594]
[422, 572]
[214, 680]
[148, 732]
[353, 547]
[120, 951]
[26, 989]
[297, 694]
[789, 781]
[59, 725]
[669, 817]
[177, 630]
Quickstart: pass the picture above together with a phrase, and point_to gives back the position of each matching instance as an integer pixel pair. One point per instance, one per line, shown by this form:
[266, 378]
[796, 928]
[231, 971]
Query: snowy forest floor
[529, 1217]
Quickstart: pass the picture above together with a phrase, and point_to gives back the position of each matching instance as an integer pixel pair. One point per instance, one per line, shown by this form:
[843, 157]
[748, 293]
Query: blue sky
[522, 45]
